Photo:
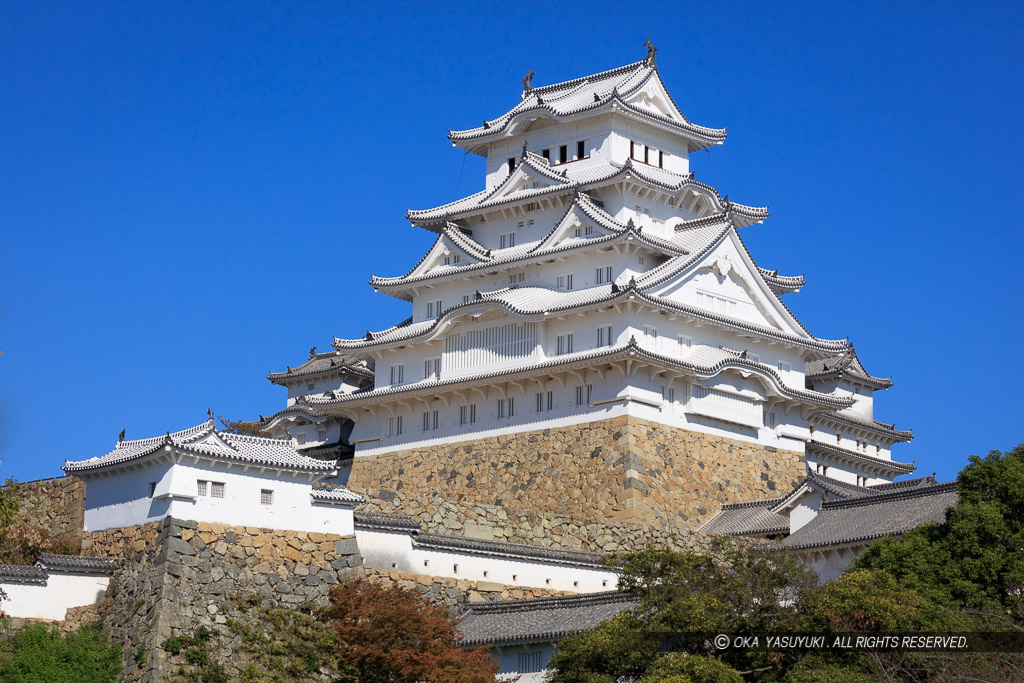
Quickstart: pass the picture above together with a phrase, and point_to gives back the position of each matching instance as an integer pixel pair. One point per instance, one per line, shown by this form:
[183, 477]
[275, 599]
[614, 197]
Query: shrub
[38, 654]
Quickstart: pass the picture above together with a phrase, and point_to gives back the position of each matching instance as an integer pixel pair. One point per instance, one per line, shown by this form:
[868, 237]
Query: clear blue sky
[192, 194]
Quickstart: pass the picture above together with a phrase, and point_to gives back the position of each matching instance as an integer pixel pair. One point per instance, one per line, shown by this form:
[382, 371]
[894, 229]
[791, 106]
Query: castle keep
[590, 341]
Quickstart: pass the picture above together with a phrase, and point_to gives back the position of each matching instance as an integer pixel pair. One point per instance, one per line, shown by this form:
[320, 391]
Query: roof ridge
[573, 82]
[751, 503]
[898, 494]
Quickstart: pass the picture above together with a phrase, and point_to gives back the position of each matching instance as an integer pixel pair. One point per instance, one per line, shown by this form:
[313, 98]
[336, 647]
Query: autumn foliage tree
[389, 635]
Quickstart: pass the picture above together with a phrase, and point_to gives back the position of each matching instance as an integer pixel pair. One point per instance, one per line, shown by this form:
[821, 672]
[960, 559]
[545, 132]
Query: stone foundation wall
[176, 575]
[54, 506]
[455, 594]
[614, 484]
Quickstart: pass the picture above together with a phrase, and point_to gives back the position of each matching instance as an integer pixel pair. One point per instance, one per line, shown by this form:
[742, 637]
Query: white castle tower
[589, 337]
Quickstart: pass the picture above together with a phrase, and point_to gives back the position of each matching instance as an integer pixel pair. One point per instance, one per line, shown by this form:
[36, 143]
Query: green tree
[975, 560]
[36, 654]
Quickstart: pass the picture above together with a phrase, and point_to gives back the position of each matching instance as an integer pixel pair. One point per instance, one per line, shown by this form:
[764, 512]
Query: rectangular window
[516, 278]
[511, 165]
[563, 154]
[152, 488]
[467, 414]
[754, 357]
[431, 368]
[546, 154]
[434, 309]
[564, 282]
[395, 426]
[216, 489]
[581, 152]
[300, 438]
[685, 343]
[583, 393]
[602, 275]
[604, 336]
[647, 154]
[661, 159]
[201, 487]
[529, 662]
[784, 368]
[266, 497]
[321, 433]
[397, 373]
[717, 304]
[769, 419]
[465, 298]
[430, 421]
[668, 394]
[507, 239]
[545, 401]
[651, 333]
[506, 407]
[632, 150]
[309, 386]
[564, 343]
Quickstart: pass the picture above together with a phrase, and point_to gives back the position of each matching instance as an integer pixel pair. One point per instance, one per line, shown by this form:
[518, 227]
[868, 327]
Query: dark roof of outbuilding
[22, 573]
[320, 365]
[385, 521]
[77, 563]
[748, 519]
[541, 619]
[866, 518]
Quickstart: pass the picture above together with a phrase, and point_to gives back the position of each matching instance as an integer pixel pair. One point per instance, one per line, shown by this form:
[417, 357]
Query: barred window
[217, 489]
[529, 662]
[201, 487]
[266, 497]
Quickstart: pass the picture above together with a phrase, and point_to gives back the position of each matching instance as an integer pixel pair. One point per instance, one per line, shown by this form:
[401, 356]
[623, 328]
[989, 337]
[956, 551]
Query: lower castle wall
[456, 594]
[615, 484]
[176, 575]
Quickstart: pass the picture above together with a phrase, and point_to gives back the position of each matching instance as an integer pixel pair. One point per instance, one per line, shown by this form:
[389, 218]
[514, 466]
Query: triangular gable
[725, 281]
[445, 247]
[584, 218]
[529, 175]
[654, 97]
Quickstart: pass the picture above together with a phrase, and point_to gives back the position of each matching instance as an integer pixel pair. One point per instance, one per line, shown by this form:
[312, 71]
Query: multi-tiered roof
[565, 204]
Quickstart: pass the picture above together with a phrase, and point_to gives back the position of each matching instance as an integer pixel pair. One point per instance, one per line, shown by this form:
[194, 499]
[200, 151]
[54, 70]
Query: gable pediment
[654, 97]
[577, 226]
[529, 175]
[725, 282]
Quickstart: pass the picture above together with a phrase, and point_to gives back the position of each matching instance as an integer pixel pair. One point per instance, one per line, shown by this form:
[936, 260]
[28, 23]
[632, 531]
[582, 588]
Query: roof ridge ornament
[209, 414]
[312, 352]
[527, 81]
[649, 60]
[120, 437]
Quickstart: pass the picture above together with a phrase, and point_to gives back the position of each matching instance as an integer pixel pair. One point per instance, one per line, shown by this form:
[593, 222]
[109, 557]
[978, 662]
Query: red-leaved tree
[389, 635]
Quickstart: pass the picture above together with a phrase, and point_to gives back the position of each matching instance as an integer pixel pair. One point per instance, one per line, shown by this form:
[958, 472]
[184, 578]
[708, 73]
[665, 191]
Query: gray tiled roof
[593, 94]
[322, 364]
[782, 284]
[541, 619]
[748, 519]
[584, 358]
[77, 563]
[386, 521]
[892, 466]
[865, 518]
[335, 494]
[22, 573]
[504, 548]
[846, 365]
[588, 177]
[206, 441]
[887, 431]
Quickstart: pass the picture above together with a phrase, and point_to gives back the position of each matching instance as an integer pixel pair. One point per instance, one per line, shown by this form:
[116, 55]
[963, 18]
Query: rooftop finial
[120, 437]
[525, 143]
[649, 59]
[312, 352]
[209, 413]
[527, 79]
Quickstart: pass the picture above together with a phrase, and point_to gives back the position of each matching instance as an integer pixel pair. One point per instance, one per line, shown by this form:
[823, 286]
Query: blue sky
[192, 194]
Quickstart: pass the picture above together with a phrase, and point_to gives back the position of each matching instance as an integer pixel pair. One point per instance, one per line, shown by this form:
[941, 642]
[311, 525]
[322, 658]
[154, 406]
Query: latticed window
[266, 497]
[217, 489]
[201, 487]
[530, 662]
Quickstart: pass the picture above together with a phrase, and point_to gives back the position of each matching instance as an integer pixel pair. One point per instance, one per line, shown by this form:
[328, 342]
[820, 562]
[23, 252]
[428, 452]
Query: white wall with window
[209, 491]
